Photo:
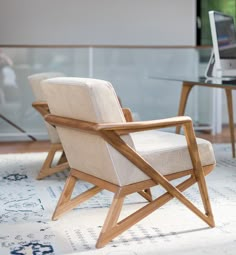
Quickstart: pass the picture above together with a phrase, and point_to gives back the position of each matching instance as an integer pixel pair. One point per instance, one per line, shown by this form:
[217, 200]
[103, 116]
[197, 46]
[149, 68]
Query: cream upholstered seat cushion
[168, 152]
[35, 83]
[96, 101]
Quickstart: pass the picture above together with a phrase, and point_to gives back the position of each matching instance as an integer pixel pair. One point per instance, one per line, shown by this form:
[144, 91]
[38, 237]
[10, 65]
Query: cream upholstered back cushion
[35, 80]
[95, 101]
[35, 83]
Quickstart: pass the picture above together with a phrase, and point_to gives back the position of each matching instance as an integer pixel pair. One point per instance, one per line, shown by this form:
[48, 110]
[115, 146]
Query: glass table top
[214, 81]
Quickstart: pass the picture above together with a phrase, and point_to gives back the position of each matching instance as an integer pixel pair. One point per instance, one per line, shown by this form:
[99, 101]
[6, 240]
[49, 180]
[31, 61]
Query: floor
[24, 147]
[27, 205]
[41, 146]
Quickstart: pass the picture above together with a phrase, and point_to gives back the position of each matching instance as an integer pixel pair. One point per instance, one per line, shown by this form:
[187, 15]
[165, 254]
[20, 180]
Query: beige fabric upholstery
[168, 152]
[35, 81]
[96, 101]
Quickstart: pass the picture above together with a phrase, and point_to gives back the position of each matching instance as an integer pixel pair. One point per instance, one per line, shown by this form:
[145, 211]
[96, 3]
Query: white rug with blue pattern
[26, 207]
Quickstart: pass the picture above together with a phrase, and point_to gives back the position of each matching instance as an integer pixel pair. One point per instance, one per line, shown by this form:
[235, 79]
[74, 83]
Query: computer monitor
[223, 58]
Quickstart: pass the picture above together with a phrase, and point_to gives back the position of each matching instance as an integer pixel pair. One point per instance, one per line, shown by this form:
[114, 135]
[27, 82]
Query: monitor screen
[223, 58]
[226, 35]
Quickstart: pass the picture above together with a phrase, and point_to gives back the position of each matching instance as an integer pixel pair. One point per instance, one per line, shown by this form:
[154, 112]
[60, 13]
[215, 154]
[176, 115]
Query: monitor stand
[212, 71]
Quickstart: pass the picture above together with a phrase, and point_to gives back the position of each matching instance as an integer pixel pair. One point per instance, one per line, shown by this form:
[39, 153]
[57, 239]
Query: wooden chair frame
[111, 133]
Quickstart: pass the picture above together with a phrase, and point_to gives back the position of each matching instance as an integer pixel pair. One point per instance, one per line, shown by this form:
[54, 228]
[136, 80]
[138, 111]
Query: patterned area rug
[26, 207]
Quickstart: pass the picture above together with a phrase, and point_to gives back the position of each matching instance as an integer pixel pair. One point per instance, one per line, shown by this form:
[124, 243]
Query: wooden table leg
[228, 93]
[186, 88]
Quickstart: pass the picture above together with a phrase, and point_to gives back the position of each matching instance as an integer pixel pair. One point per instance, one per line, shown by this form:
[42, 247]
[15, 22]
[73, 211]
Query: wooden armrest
[71, 123]
[145, 125]
[121, 128]
[41, 107]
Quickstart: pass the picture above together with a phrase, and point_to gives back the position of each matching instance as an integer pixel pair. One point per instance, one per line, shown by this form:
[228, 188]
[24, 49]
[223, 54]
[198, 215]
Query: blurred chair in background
[41, 106]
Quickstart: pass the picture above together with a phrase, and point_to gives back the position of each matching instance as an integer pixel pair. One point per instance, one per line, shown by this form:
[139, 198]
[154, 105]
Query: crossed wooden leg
[112, 227]
[47, 168]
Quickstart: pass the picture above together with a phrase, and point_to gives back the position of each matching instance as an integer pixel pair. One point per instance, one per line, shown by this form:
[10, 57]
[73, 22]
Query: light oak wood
[119, 128]
[128, 114]
[198, 170]
[111, 132]
[48, 168]
[41, 107]
[186, 88]
[229, 98]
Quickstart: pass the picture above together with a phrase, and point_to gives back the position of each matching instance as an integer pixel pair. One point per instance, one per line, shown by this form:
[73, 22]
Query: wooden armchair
[123, 157]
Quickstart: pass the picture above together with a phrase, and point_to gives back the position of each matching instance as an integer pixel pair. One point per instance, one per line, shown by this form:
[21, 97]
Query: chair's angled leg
[62, 159]
[52, 170]
[198, 171]
[48, 161]
[114, 228]
[47, 168]
[65, 195]
[111, 220]
[65, 202]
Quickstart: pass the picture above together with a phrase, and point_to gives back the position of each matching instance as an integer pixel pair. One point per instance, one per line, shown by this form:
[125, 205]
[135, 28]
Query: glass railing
[128, 69]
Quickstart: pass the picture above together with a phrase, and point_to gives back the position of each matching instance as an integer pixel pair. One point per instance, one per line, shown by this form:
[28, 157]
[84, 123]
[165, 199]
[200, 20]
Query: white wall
[97, 22]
